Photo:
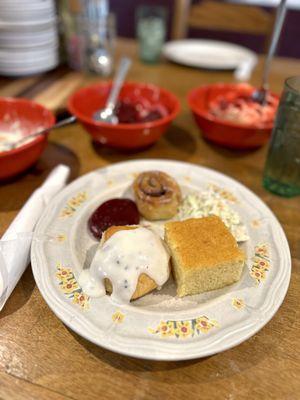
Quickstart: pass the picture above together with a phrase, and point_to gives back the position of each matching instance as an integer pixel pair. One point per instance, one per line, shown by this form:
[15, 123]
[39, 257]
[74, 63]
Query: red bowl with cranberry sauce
[160, 106]
[22, 116]
[229, 133]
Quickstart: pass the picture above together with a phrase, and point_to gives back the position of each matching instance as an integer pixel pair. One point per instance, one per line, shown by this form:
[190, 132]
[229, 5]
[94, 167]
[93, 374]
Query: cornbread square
[205, 255]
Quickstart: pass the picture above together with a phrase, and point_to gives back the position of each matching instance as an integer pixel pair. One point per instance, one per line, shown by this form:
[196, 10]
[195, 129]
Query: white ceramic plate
[159, 326]
[210, 54]
[32, 7]
[14, 46]
[26, 15]
[40, 24]
[27, 55]
[28, 3]
[29, 69]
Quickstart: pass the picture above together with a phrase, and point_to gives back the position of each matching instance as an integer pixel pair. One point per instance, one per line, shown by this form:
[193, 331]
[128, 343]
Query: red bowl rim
[51, 117]
[141, 125]
[216, 120]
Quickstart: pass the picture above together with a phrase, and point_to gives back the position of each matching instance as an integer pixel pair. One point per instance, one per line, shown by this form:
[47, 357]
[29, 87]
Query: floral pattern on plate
[255, 223]
[260, 262]
[61, 237]
[238, 303]
[118, 317]
[69, 286]
[225, 194]
[184, 329]
[73, 204]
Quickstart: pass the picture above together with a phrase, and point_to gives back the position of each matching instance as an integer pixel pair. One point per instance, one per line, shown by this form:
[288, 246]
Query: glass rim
[289, 85]
[151, 9]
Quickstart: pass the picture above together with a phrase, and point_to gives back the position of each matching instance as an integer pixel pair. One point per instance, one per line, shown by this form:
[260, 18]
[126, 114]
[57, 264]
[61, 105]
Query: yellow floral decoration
[204, 324]
[256, 223]
[118, 317]
[184, 329]
[63, 274]
[260, 263]
[62, 237]
[81, 299]
[73, 204]
[110, 182]
[238, 303]
[69, 286]
[226, 194]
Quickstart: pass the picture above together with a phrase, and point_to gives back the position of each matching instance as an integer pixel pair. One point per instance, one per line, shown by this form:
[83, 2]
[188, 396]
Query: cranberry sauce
[114, 212]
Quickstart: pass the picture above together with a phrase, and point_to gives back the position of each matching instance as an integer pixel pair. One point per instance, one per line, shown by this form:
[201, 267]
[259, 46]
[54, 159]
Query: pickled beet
[129, 113]
[114, 212]
[152, 116]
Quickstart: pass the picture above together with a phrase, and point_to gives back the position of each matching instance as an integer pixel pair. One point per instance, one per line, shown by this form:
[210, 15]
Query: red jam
[130, 113]
[114, 212]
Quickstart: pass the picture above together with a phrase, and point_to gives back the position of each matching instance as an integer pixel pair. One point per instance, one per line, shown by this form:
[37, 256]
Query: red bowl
[28, 117]
[225, 133]
[86, 101]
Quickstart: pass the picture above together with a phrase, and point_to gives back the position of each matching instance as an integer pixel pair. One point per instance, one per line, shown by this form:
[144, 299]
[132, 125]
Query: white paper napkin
[16, 241]
[244, 70]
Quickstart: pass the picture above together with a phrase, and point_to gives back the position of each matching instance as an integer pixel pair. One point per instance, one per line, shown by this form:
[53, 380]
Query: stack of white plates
[28, 37]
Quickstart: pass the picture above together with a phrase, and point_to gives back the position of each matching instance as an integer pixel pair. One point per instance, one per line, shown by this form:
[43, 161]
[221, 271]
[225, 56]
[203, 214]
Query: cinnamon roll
[157, 195]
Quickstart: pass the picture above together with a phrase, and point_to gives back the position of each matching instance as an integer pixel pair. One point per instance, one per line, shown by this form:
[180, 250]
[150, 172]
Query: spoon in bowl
[259, 96]
[107, 114]
[66, 121]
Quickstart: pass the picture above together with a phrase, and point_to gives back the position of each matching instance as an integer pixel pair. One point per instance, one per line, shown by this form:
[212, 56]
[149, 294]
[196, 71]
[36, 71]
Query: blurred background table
[40, 358]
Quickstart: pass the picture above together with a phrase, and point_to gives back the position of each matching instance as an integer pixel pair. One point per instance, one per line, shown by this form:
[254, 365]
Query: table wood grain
[40, 358]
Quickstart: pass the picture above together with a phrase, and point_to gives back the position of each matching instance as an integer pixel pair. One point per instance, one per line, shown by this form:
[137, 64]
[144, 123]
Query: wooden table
[40, 358]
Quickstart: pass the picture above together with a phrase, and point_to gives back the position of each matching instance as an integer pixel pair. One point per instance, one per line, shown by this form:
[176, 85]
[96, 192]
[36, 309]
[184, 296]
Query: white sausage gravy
[122, 259]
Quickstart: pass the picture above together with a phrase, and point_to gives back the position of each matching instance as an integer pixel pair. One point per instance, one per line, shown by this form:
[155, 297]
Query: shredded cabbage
[210, 202]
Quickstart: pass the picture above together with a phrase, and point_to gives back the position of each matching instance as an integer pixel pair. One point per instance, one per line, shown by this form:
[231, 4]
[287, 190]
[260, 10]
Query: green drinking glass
[282, 168]
[151, 32]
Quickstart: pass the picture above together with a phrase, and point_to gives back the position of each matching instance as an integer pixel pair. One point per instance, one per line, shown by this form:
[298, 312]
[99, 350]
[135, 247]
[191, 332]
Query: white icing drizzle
[122, 259]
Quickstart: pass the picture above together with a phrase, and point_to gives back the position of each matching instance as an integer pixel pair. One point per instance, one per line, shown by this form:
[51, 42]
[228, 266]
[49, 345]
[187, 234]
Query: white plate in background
[209, 54]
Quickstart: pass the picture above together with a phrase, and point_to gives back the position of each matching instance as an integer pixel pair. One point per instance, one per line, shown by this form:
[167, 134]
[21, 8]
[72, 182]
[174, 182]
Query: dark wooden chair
[220, 16]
